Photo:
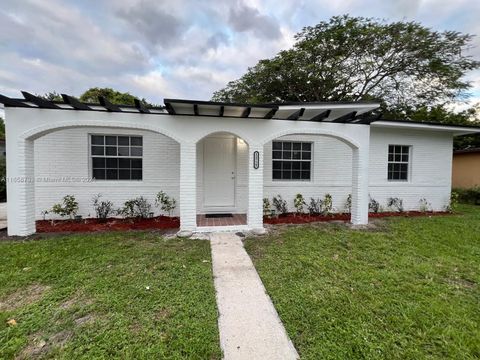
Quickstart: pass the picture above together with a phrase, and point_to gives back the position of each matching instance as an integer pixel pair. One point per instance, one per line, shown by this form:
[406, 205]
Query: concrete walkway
[249, 324]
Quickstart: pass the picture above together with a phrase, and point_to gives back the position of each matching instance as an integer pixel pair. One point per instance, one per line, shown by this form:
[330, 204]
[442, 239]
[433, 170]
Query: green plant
[165, 202]
[44, 214]
[68, 207]
[373, 205]
[136, 208]
[348, 203]
[469, 196]
[299, 202]
[327, 204]
[102, 208]
[453, 204]
[267, 207]
[424, 206]
[315, 206]
[395, 203]
[279, 204]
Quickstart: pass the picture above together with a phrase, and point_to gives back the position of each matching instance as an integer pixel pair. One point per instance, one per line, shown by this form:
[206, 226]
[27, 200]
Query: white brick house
[219, 158]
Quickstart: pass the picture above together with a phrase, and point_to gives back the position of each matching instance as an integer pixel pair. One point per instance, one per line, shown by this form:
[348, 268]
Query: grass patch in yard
[408, 290]
[111, 295]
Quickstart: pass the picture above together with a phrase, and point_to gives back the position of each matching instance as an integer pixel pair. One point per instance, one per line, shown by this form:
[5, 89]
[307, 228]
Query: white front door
[219, 173]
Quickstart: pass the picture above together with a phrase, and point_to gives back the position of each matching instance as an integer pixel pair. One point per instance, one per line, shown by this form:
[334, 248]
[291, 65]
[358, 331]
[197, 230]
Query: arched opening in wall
[312, 165]
[119, 163]
[222, 180]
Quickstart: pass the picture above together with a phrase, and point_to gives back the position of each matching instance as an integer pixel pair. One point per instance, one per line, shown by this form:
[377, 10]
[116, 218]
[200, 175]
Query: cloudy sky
[177, 48]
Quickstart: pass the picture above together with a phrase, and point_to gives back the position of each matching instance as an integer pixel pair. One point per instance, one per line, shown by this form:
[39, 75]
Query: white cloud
[176, 48]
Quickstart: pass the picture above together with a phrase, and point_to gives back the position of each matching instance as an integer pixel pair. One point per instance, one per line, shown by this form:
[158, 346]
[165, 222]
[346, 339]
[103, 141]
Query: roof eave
[456, 130]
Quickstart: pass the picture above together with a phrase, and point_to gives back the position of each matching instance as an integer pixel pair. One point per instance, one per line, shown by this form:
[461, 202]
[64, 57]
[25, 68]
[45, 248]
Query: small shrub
[279, 204]
[267, 207]
[44, 214]
[102, 208]
[299, 202]
[395, 204]
[136, 208]
[327, 204]
[424, 206]
[468, 196]
[373, 205]
[315, 206]
[68, 207]
[453, 204]
[348, 203]
[165, 202]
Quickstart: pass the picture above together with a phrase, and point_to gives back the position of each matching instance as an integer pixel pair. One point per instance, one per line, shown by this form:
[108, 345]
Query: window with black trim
[291, 160]
[116, 157]
[398, 162]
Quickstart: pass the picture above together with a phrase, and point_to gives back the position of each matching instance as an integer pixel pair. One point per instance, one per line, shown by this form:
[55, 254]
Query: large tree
[91, 96]
[114, 96]
[402, 64]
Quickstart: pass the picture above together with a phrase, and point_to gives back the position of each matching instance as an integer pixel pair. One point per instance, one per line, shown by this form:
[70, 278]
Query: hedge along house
[218, 157]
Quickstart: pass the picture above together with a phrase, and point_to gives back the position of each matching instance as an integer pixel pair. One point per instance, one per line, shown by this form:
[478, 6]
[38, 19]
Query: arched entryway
[316, 162]
[222, 180]
[63, 164]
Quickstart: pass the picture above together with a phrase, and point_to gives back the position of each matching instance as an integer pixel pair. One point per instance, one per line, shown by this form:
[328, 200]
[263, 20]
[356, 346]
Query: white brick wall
[430, 167]
[331, 172]
[332, 169]
[65, 153]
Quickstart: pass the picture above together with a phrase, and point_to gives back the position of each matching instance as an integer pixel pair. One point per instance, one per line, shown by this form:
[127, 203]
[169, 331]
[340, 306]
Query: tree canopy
[114, 96]
[402, 64]
[91, 96]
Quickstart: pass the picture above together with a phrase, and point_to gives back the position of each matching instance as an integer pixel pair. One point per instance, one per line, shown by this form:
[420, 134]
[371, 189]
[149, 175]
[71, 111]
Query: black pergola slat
[368, 119]
[246, 112]
[5, 100]
[139, 105]
[322, 116]
[41, 103]
[108, 105]
[345, 118]
[170, 108]
[270, 114]
[73, 102]
[297, 114]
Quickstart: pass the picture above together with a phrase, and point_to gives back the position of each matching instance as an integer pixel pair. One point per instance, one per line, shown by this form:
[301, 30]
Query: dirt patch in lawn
[292, 218]
[111, 224]
[86, 319]
[460, 283]
[76, 299]
[38, 345]
[23, 297]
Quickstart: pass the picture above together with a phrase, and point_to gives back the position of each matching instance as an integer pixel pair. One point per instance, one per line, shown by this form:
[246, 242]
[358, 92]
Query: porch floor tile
[236, 219]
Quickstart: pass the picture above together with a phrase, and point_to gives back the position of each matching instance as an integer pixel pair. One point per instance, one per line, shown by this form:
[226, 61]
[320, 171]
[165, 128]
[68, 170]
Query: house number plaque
[256, 159]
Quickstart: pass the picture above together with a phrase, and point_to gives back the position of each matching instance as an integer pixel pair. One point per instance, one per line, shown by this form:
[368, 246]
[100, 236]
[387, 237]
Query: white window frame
[92, 156]
[408, 162]
[294, 160]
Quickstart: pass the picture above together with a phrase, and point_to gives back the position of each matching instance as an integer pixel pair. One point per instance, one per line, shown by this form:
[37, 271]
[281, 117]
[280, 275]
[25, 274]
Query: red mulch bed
[292, 218]
[165, 222]
[111, 224]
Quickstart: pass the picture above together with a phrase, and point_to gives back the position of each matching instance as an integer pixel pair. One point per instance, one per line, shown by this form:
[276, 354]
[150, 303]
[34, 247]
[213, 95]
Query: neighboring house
[218, 157]
[466, 168]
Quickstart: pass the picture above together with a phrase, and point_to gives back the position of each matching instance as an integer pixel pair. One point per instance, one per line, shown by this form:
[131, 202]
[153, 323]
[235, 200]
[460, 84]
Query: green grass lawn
[128, 295]
[406, 290]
